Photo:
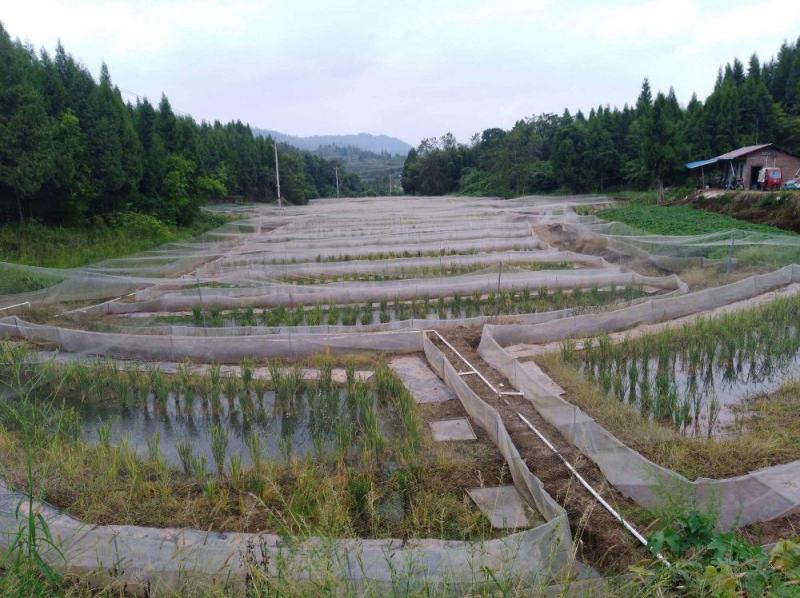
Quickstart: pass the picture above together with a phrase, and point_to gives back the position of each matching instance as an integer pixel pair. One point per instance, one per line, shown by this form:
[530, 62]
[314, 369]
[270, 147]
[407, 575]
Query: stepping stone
[503, 506]
[420, 380]
[452, 429]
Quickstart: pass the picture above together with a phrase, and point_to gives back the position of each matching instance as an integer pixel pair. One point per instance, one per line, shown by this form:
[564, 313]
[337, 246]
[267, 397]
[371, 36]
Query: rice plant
[184, 449]
[219, 447]
[676, 375]
[254, 447]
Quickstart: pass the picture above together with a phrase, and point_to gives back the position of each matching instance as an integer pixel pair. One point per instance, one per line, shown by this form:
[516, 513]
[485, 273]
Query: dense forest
[644, 145]
[72, 149]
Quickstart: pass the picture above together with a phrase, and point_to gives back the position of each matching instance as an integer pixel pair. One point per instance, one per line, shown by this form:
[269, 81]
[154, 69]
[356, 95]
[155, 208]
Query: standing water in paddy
[694, 378]
[229, 415]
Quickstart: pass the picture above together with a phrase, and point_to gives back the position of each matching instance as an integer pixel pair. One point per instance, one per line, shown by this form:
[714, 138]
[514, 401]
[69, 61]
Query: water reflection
[301, 427]
[695, 394]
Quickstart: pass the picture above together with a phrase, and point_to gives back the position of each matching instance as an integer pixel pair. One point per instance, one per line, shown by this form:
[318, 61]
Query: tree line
[643, 145]
[72, 149]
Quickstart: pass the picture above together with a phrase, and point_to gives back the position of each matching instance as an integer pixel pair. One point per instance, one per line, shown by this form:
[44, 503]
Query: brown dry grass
[768, 432]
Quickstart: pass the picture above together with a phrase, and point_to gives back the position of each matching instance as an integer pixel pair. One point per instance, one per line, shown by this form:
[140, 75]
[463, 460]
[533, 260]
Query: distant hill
[373, 167]
[378, 144]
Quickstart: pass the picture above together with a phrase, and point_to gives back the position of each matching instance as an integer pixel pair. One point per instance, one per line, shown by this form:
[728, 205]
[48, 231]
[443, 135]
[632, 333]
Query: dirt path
[602, 542]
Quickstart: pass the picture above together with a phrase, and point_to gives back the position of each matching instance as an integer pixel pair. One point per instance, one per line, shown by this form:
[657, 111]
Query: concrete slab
[420, 380]
[452, 429]
[503, 506]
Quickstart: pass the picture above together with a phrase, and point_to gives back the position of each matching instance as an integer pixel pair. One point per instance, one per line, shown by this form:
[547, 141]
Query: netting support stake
[730, 252]
[202, 306]
[499, 274]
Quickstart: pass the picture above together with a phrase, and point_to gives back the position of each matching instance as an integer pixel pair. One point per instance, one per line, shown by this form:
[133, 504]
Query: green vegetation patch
[423, 272]
[679, 220]
[706, 562]
[35, 244]
[15, 280]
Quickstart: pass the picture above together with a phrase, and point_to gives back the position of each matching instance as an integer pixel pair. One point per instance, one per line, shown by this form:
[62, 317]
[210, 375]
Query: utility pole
[277, 174]
[390, 183]
[337, 181]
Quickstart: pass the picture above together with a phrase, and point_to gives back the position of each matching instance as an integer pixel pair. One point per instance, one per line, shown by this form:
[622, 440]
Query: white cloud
[507, 12]
[691, 25]
[414, 68]
[121, 28]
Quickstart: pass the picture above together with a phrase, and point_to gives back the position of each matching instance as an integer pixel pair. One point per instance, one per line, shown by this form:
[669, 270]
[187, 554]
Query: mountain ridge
[365, 141]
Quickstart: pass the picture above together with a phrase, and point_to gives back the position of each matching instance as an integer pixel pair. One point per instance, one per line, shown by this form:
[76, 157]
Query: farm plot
[713, 398]
[702, 249]
[335, 266]
[201, 448]
[507, 302]
[238, 453]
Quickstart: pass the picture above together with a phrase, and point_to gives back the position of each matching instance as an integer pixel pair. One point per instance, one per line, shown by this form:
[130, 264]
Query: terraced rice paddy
[234, 452]
[441, 308]
[211, 447]
[693, 377]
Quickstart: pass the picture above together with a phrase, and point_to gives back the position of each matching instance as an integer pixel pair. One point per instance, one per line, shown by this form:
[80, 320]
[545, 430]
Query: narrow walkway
[602, 541]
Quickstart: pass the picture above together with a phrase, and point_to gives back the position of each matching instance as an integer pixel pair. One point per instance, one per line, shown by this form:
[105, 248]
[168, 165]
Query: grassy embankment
[780, 208]
[35, 244]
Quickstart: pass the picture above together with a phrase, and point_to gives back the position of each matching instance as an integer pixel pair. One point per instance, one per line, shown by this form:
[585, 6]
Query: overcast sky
[410, 69]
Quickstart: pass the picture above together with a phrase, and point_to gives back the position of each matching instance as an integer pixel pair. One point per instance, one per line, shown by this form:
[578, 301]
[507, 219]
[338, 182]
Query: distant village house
[762, 167]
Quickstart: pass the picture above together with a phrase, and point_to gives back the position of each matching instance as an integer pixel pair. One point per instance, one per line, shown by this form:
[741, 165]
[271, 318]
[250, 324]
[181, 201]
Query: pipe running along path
[501, 397]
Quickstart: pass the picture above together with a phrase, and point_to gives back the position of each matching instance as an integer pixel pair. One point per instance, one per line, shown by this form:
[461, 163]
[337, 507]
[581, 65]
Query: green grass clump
[706, 562]
[679, 220]
[16, 279]
[36, 244]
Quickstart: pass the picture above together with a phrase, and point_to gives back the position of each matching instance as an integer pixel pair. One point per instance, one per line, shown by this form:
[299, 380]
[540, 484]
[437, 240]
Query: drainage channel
[552, 459]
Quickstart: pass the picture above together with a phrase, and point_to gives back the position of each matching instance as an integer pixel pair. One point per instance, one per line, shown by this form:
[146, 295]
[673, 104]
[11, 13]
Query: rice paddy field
[713, 398]
[283, 380]
[239, 453]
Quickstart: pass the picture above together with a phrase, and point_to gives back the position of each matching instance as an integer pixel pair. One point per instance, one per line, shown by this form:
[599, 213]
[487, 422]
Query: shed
[741, 166]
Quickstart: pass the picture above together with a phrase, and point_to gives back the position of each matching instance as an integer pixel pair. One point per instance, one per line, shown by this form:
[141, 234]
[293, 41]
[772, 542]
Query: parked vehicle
[794, 183]
[770, 178]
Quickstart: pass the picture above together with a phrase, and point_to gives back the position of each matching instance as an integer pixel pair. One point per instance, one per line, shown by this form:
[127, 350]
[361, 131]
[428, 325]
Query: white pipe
[471, 367]
[549, 445]
[591, 490]
[17, 305]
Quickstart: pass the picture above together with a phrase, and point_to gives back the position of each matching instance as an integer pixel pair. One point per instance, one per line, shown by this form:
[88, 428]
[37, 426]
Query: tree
[660, 153]
[25, 134]
[645, 99]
